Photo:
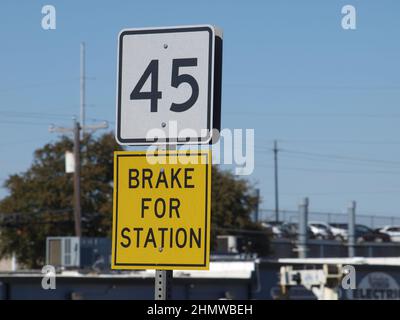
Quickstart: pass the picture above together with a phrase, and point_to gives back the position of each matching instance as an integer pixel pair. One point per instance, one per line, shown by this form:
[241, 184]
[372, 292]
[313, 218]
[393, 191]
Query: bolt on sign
[161, 217]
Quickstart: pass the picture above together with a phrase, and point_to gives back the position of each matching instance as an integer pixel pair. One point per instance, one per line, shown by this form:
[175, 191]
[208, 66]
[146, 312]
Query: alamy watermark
[349, 279]
[349, 19]
[230, 147]
[49, 277]
[49, 18]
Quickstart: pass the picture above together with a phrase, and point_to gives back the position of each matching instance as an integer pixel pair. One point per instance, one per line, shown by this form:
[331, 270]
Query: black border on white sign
[214, 86]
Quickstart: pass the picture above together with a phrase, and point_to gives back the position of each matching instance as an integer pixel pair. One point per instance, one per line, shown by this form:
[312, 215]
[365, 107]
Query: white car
[321, 230]
[392, 231]
[339, 231]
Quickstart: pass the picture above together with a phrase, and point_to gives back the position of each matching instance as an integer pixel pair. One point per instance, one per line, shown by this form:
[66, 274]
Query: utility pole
[83, 88]
[276, 181]
[77, 179]
[75, 130]
[78, 130]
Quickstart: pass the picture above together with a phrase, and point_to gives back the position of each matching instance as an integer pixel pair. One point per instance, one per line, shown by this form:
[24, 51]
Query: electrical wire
[333, 171]
[34, 115]
[316, 115]
[340, 157]
[25, 123]
[331, 141]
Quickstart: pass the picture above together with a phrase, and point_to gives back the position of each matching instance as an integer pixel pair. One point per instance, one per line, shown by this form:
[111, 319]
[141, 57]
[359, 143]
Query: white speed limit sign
[168, 85]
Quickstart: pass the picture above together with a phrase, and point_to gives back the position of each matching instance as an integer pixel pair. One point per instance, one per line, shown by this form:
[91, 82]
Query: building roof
[354, 260]
[218, 270]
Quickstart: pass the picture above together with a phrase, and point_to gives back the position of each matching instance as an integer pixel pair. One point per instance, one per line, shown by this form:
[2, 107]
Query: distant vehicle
[339, 231]
[362, 233]
[290, 230]
[321, 230]
[392, 231]
[274, 227]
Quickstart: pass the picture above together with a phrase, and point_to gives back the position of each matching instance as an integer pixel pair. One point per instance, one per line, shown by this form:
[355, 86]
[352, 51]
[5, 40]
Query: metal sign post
[163, 285]
[163, 278]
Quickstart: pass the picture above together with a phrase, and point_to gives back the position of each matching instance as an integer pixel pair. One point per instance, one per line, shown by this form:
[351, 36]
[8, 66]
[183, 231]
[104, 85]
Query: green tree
[43, 195]
[233, 201]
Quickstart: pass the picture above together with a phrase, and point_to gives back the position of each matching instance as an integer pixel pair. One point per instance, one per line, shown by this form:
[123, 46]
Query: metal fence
[284, 248]
[373, 221]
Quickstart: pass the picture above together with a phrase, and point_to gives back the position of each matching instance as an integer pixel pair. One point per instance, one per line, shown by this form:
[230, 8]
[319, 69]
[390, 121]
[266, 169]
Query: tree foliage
[43, 197]
[233, 201]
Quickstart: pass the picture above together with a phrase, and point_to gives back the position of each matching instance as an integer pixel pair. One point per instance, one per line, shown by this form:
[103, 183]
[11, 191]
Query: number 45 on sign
[168, 75]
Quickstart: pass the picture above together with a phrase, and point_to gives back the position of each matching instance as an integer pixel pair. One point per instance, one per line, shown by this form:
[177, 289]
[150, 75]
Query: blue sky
[290, 72]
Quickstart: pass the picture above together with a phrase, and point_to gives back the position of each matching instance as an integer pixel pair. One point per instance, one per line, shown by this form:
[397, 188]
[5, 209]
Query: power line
[18, 142]
[34, 115]
[364, 215]
[50, 116]
[347, 192]
[346, 163]
[330, 193]
[315, 86]
[335, 171]
[35, 85]
[341, 157]
[316, 115]
[24, 123]
[334, 141]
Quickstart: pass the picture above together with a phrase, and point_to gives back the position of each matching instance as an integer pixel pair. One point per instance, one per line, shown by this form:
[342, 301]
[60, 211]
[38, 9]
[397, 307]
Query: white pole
[83, 84]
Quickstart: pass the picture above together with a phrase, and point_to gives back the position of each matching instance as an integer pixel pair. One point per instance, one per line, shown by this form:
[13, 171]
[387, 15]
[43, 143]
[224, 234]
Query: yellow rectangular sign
[161, 217]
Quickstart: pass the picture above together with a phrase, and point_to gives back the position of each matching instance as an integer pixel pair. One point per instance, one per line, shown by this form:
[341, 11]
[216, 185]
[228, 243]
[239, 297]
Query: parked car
[362, 233]
[339, 231]
[321, 230]
[275, 228]
[290, 230]
[392, 231]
